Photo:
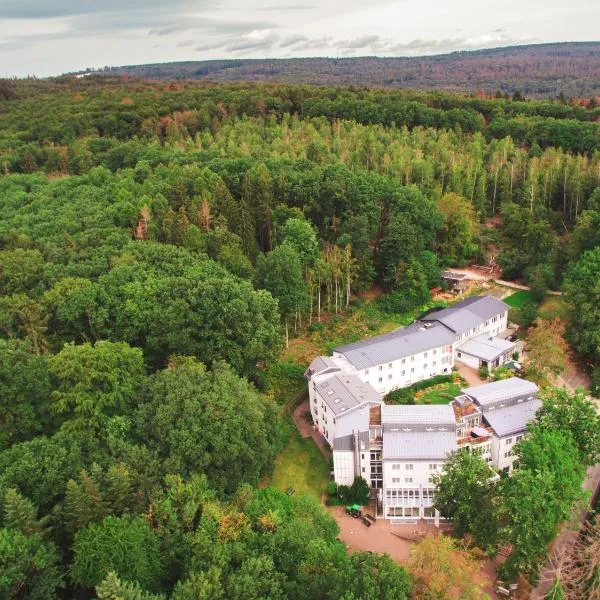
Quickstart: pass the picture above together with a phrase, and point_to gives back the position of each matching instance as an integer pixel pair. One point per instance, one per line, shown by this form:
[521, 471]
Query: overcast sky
[47, 37]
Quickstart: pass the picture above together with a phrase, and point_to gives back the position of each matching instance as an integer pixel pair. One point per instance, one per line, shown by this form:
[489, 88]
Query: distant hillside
[543, 70]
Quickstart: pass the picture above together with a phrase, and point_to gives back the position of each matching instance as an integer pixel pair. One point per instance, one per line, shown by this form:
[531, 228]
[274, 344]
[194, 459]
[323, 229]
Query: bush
[484, 372]
[357, 493]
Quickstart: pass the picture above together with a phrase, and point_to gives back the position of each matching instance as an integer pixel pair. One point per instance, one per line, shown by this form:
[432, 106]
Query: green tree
[582, 293]
[24, 393]
[466, 494]
[127, 546]
[97, 381]
[212, 422]
[300, 234]
[29, 566]
[280, 273]
[577, 414]
[256, 579]
[456, 239]
[113, 588]
[539, 496]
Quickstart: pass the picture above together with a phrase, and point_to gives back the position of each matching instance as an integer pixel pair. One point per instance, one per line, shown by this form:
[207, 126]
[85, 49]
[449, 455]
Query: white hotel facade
[397, 448]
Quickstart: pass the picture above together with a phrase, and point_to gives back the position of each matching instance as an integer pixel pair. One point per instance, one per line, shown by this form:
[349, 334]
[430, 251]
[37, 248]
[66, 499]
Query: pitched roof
[512, 419]
[409, 414]
[319, 365]
[400, 343]
[343, 392]
[418, 446]
[504, 391]
[486, 348]
[469, 313]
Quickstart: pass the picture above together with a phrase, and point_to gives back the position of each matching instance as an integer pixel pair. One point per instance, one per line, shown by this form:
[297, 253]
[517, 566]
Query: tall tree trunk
[287, 335]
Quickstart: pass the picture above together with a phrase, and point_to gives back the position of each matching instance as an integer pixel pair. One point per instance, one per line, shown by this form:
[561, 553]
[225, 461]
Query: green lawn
[518, 299]
[442, 396]
[301, 465]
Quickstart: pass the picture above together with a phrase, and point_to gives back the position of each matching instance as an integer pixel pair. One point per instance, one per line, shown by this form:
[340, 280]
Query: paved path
[475, 275]
[306, 429]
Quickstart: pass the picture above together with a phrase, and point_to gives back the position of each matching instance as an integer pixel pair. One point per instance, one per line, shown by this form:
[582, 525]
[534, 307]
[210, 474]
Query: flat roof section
[410, 414]
[418, 446]
[486, 348]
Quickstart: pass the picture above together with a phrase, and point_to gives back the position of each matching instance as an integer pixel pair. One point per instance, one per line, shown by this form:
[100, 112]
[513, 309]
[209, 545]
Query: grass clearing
[301, 465]
[439, 396]
[553, 306]
[519, 299]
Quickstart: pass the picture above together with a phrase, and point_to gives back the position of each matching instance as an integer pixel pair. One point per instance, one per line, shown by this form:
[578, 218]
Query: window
[363, 469]
[508, 441]
[390, 376]
[395, 467]
[366, 371]
[380, 379]
[408, 467]
[508, 454]
[435, 351]
[433, 363]
[459, 354]
[330, 392]
[519, 438]
[403, 373]
[381, 367]
[408, 480]
[412, 370]
[403, 360]
[412, 359]
[395, 479]
[425, 366]
[362, 456]
[425, 354]
[433, 467]
[389, 365]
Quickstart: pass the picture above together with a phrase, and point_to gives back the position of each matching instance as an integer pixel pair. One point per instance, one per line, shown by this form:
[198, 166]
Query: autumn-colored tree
[547, 350]
[443, 571]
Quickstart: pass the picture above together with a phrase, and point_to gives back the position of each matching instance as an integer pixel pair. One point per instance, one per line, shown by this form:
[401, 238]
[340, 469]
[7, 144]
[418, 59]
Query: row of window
[410, 493]
[412, 359]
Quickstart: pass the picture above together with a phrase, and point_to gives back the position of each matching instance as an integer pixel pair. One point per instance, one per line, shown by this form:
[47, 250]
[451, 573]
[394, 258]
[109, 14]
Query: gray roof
[409, 414]
[512, 419]
[319, 365]
[486, 348]
[469, 313]
[343, 392]
[400, 343]
[418, 446]
[343, 444]
[502, 392]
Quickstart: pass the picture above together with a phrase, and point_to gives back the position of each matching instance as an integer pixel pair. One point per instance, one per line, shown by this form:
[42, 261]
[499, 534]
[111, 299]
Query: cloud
[184, 44]
[361, 42]
[292, 40]
[257, 40]
[48, 9]
[286, 7]
[213, 46]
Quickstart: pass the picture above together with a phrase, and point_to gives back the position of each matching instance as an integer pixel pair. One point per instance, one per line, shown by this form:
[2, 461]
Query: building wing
[418, 446]
[512, 419]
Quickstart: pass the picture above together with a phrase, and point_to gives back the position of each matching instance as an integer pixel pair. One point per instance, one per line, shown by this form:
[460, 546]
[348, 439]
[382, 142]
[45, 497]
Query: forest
[161, 242]
[541, 70]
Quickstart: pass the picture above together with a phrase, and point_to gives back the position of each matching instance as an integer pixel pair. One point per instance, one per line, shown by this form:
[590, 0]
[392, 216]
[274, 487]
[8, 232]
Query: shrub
[484, 372]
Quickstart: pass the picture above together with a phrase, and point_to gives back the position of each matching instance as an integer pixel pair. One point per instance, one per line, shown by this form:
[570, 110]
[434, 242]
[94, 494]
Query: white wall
[467, 359]
[343, 467]
[502, 451]
[406, 371]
